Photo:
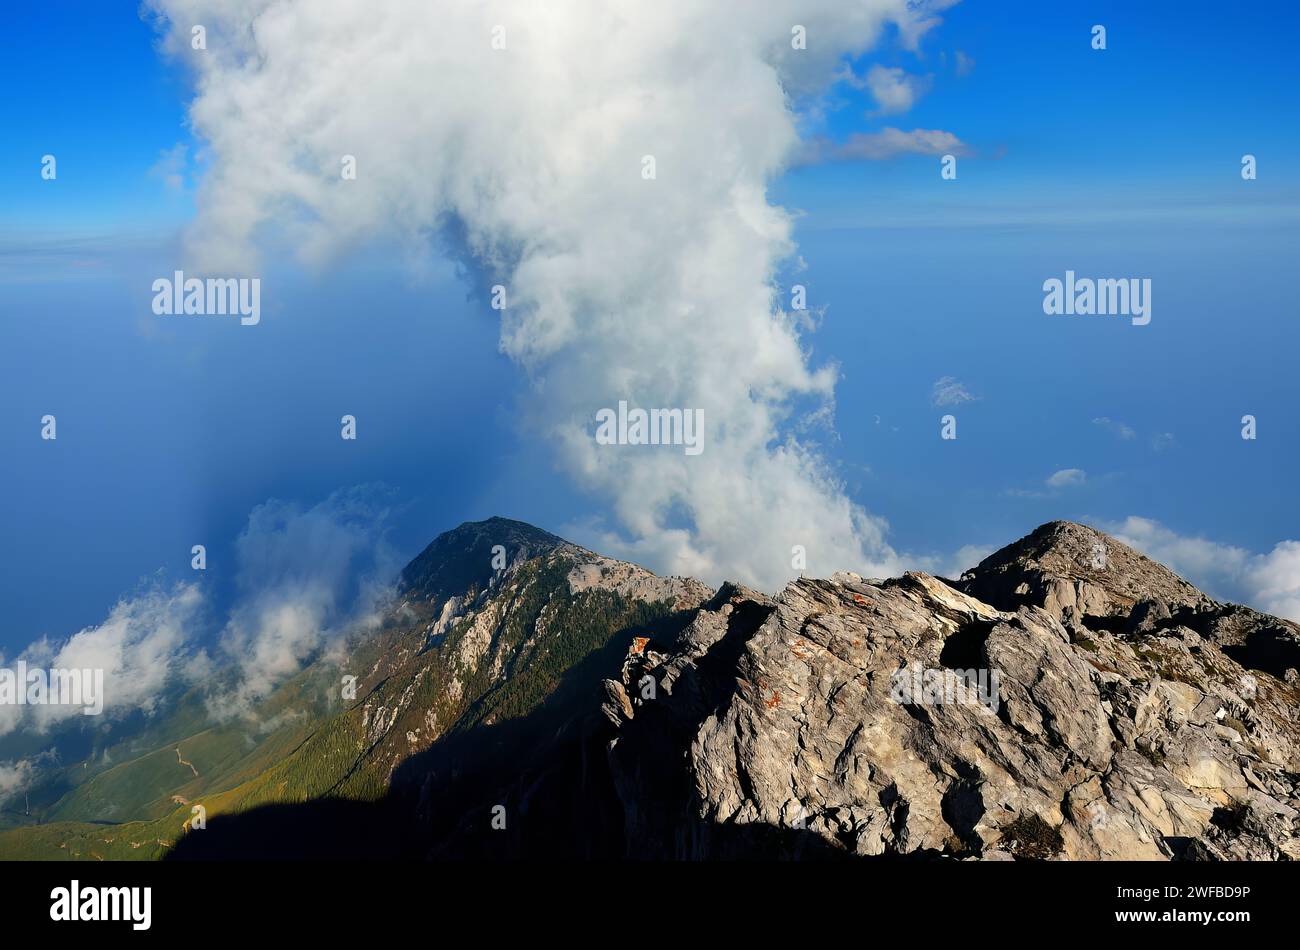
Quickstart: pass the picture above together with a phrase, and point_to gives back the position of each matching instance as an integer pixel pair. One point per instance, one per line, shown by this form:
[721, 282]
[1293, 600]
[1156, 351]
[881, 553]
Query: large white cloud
[661, 292]
[146, 639]
[307, 577]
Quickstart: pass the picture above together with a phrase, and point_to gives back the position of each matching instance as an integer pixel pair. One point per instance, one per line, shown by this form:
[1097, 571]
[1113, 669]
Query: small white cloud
[885, 144]
[18, 776]
[894, 89]
[1067, 477]
[949, 391]
[1162, 441]
[170, 167]
[1118, 428]
[14, 777]
[964, 64]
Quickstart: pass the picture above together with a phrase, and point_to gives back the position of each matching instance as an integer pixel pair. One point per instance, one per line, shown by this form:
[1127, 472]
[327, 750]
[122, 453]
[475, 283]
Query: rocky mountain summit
[1068, 698]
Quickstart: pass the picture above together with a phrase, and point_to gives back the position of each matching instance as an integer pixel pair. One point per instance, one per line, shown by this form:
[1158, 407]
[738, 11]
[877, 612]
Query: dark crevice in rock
[1272, 650]
[1114, 625]
[962, 807]
[965, 649]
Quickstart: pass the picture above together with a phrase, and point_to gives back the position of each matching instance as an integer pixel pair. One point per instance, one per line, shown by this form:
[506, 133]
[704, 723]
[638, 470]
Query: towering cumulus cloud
[523, 127]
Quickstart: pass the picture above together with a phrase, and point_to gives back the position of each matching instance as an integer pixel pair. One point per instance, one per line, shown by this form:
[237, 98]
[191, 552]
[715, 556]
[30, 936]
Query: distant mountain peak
[1064, 564]
[499, 530]
[467, 565]
[465, 556]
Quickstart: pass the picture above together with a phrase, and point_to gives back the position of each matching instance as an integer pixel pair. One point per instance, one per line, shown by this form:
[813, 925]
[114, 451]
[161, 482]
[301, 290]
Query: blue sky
[1123, 162]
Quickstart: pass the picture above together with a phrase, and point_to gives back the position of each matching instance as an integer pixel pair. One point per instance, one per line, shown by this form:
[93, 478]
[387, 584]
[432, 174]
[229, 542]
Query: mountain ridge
[1129, 723]
[1066, 698]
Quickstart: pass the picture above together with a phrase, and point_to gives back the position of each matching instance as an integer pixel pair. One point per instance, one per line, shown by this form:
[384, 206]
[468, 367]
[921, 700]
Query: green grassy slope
[500, 662]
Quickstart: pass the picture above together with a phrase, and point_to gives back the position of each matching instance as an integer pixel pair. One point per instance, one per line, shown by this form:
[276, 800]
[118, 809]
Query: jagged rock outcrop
[1068, 698]
[490, 610]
